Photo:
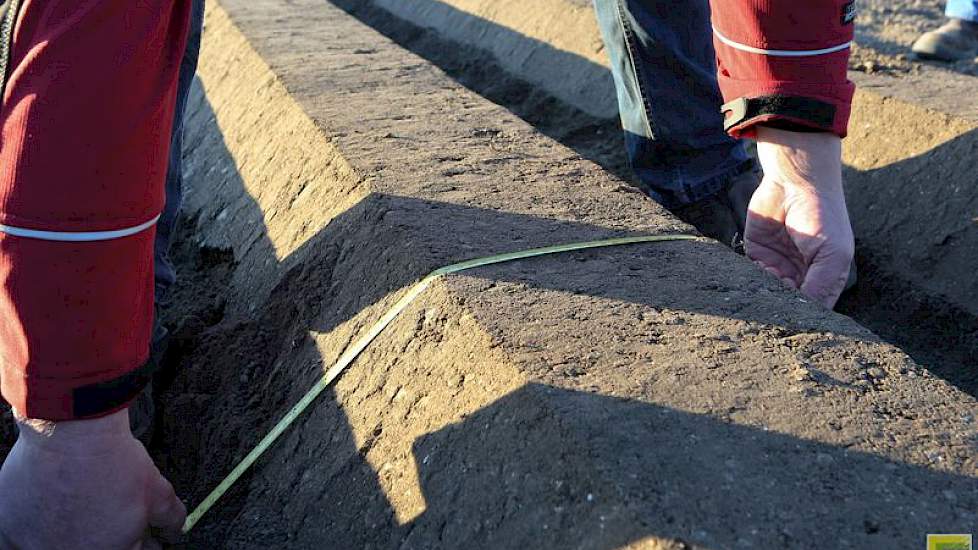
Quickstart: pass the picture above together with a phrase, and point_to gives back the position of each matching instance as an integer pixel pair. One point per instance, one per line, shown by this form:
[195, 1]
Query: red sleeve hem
[785, 48]
[840, 96]
[75, 316]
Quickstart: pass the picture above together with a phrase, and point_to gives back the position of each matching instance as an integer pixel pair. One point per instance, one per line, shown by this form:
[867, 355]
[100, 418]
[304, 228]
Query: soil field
[910, 309]
[545, 346]
[885, 30]
[660, 397]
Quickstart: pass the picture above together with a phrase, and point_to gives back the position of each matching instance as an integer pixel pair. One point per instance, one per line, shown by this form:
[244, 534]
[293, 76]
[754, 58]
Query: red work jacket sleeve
[84, 134]
[784, 62]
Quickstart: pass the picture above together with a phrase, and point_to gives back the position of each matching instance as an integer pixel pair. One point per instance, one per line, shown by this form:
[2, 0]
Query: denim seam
[715, 184]
[683, 188]
[630, 48]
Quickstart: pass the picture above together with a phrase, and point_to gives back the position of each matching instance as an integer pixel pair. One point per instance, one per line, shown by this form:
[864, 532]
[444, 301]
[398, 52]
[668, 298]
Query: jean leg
[164, 272]
[664, 67]
[962, 9]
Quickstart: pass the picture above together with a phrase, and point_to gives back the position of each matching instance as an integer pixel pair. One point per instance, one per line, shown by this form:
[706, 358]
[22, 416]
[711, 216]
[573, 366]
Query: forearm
[75, 437]
[85, 126]
[83, 484]
[812, 161]
[784, 62]
[798, 226]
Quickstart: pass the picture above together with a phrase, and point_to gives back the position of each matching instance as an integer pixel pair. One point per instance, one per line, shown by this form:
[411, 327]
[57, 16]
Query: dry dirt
[661, 397]
[583, 412]
[917, 240]
[885, 30]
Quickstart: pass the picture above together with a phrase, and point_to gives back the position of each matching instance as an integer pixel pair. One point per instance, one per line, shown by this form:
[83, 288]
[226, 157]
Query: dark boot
[723, 216]
[956, 40]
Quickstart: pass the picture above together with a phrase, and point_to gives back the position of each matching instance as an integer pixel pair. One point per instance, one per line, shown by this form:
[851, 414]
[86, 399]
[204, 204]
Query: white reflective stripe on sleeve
[72, 236]
[779, 53]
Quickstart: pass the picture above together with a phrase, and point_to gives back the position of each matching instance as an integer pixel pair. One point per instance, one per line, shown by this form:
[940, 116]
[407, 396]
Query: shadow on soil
[917, 218]
[932, 329]
[508, 476]
[511, 474]
[511, 470]
[596, 139]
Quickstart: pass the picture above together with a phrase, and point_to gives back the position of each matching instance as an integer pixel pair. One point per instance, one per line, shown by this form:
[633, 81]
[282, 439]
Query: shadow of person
[545, 467]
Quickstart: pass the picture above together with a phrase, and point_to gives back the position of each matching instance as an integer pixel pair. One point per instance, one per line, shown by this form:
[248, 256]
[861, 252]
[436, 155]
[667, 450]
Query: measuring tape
[352, 353]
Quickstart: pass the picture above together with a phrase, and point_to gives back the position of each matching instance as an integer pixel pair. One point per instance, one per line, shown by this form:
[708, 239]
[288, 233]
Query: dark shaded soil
[938, 335]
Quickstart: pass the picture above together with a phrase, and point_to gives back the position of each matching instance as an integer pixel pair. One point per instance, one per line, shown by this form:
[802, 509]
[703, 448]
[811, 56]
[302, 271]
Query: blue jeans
[962, 9]
[164, 273]
[664, 67]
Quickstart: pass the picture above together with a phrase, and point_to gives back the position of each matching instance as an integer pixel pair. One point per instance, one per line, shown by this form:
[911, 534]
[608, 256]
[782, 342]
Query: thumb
[166, 512]
[826, 277]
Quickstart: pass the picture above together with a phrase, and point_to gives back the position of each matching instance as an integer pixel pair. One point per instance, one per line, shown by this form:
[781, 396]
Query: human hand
[797, 224]
[83, 484]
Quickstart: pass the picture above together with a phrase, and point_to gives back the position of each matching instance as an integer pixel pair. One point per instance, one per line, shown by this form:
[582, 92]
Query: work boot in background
[956, 40]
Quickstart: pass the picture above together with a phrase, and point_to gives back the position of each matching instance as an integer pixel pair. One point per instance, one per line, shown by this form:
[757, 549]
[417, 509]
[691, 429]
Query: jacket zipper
[9, 10]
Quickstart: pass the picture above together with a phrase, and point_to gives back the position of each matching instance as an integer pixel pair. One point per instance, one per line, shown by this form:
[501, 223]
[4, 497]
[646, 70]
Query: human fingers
[777, 261]
[167, 513]
[826, 277]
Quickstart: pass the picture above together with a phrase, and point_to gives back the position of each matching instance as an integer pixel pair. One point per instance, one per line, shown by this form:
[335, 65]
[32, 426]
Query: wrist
[91, 436]
[805, 160]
